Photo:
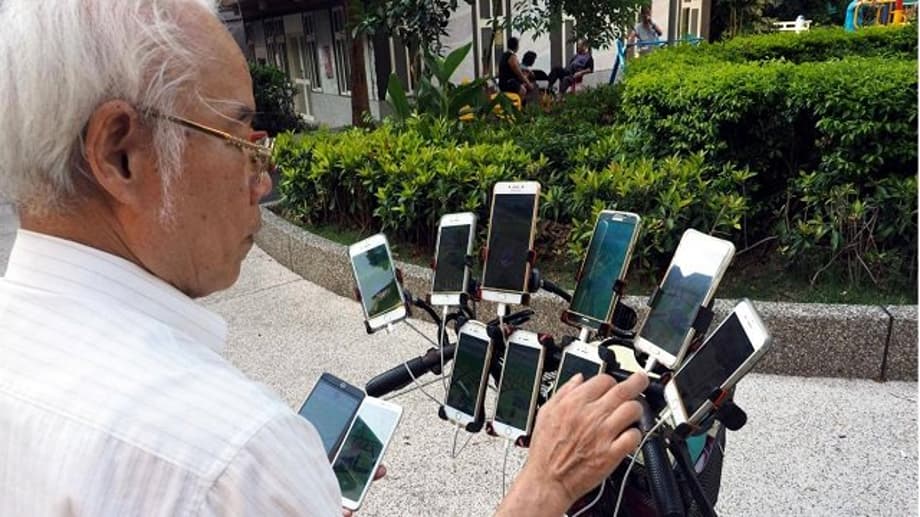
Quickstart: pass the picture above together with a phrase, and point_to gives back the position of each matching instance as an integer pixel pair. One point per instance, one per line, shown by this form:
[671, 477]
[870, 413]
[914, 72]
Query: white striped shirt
[114, 401]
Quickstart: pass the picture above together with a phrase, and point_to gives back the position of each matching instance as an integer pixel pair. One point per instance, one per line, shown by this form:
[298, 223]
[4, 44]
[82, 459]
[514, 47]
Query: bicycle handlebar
[399, 376]
[661, 479]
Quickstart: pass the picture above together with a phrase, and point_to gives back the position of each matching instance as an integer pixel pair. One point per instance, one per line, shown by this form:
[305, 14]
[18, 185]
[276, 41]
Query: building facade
[309, 40]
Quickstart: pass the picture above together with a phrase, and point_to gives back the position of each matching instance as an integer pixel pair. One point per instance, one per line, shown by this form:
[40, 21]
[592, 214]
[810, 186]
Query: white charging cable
[635, 456]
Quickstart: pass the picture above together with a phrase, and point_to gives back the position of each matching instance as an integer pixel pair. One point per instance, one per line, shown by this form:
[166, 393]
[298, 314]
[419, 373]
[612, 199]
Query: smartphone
[367, 440]
[689, 283]
[331, 407]
[728, 354]
[522, 371]
[455, 243]
[470, 375]
[606, 262]
[375, 274]
[578, 357]
[512, 223]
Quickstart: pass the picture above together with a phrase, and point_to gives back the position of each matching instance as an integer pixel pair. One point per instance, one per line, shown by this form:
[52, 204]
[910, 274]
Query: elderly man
[127, 148]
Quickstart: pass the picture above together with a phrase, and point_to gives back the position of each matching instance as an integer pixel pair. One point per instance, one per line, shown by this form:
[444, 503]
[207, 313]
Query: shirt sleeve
[282, 470]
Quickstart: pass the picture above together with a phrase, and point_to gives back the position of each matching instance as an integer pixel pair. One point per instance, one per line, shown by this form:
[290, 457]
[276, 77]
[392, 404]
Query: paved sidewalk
[816, 447]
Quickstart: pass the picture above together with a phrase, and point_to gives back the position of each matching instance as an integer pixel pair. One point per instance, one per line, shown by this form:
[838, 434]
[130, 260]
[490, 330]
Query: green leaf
[398, 98]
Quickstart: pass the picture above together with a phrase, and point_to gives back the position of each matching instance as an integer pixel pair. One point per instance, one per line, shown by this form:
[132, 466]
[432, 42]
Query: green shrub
[850, 124]
[396, 179]
[820, 44]
[274, 96]
[823, 44]
[670, 195]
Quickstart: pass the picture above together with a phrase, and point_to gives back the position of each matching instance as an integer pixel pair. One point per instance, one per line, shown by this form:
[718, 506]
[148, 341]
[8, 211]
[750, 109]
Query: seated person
[581, 64]
[534, 74]
[510, 76]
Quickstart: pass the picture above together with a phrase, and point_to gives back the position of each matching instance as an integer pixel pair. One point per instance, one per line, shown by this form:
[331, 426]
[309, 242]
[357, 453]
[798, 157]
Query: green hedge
[849, 125]
[820, 44]
[396, 179]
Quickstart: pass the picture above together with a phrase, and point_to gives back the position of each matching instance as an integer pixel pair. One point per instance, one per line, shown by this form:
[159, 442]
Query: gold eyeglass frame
[262, 154]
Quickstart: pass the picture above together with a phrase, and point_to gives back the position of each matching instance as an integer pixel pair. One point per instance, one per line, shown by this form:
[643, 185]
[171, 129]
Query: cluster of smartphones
[729, 353]
[506, 271]
[355, 430]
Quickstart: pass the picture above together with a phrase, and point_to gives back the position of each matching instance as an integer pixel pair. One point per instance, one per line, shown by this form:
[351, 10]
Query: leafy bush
[274, 96]
[849, 124]
[820, 44]
[397, 179]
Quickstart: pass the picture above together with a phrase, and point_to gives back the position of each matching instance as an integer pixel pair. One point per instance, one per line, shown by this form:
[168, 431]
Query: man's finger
[621, 418]
[625, 444]
[623, 391]
[570, 385]
[593, 388]
[381, 472]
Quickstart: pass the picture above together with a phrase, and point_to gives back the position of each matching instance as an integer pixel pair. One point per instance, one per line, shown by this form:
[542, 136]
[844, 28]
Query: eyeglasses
[258, 147]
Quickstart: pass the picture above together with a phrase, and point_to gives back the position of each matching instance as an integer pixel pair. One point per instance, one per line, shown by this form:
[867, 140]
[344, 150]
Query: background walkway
[812, 446]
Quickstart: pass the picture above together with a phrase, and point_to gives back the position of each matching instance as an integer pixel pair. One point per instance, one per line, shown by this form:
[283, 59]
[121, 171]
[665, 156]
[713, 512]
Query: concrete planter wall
[822, 340]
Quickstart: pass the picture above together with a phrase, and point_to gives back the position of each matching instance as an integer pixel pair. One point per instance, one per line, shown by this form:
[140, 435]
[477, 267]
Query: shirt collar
[70, 269]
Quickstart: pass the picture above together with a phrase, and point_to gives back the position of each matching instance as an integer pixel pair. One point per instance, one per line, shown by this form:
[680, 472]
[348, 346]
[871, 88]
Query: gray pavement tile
[258, 273]
[813, 446]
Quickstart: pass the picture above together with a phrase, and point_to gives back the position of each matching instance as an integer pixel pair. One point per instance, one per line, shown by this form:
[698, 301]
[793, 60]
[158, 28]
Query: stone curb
[810, 340]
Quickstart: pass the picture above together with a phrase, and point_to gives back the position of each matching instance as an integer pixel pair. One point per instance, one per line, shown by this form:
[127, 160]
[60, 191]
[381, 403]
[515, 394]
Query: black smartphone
[331, 407]
[512, 224]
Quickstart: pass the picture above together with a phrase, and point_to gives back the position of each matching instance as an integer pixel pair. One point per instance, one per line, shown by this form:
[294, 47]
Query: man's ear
[118, 152]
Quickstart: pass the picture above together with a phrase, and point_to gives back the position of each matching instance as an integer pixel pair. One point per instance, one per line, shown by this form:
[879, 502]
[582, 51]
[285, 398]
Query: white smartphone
[728, 354]
[470, 373]
[363, 448]
[455, 243]
[606, 262]
[512, 224]
[375, 274]
[522, 371]
[690, 283]
[331, 407]
[578, 357]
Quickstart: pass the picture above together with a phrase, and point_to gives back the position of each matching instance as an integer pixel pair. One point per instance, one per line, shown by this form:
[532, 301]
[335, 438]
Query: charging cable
[650, 364]
[505, 465]
[635, 456]
[441, 331]
[454, 453]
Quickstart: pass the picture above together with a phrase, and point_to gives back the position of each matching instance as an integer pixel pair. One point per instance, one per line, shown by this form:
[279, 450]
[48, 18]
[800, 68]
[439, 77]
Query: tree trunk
[360, 101]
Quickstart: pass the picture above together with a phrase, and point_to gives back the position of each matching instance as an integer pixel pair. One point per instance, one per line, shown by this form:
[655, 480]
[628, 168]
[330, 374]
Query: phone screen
[509, 241]
[518, 379]
[685, 288]
[573, 364]
[604, 264]
[354, 467]
[721, 356]
[377, 281]
[330, 409]
[469, 363]
[450, 264]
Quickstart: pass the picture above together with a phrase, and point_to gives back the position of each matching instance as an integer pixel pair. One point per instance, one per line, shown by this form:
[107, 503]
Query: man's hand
[381, 471]
[580, 437]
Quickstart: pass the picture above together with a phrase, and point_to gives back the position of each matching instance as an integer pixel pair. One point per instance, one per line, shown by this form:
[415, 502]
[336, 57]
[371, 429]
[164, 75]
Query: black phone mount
[531, 286]
[701, 322]
[622, 320]
[472, 285]
[550, 363]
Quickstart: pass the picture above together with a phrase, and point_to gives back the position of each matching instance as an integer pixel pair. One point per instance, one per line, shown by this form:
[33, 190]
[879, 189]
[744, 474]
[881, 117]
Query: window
[342, 51]
[275, 45]
[310, 53]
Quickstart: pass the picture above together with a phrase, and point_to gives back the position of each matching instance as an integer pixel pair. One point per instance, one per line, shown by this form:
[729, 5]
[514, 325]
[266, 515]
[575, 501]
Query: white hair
[61, 59]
